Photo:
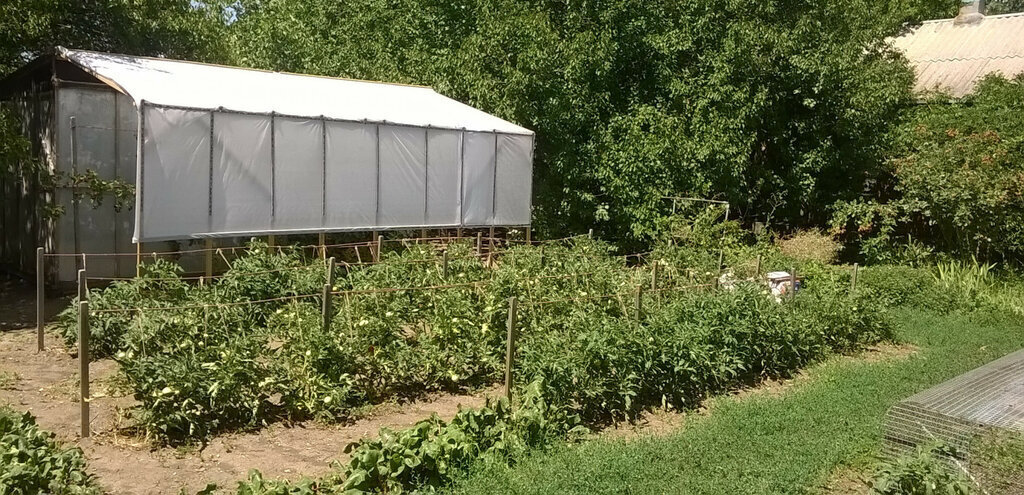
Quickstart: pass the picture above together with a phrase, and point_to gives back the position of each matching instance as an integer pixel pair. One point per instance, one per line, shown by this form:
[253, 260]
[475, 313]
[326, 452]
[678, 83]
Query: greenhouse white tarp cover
[227, 151]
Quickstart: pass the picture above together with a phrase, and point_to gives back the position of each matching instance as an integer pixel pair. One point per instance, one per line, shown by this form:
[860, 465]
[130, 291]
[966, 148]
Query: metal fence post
[40, 298]
[83, 363]
[510, 346]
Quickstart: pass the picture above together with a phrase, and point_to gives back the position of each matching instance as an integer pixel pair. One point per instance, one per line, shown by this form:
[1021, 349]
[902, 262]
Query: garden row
[217, 362]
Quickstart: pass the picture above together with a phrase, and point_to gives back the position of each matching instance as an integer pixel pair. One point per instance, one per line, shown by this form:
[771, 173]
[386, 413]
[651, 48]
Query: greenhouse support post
[380, 247]
[83, 364]
[510, 346]
[40, 298]
[209, 257]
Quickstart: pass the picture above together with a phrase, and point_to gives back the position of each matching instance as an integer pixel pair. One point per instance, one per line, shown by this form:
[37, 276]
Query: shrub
[427, 455]
[922, 473]
[810, 246]
[32, 461]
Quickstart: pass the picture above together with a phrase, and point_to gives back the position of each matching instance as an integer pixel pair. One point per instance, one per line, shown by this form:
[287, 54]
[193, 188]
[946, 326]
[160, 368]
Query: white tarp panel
[351, 181]
[175, 181]
[478, 179]
[444, 166]
[403, 171]
[298, 173]
[242, 179]
[513, 180]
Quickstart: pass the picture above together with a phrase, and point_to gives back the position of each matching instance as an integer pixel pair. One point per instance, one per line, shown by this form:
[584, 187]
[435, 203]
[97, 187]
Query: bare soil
[46, 384]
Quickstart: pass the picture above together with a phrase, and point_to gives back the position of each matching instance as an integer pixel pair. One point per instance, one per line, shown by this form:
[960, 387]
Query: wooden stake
[209, 257]
[638, 303]
[529, 235]
[757, 268]
[479, 243]
[654, 276]
[40, 298]
[83, 291]
[542, 260]
[853, 279]
[491, 232]
[323, 246]
[792, 282]
[330, 272]
[271, 242]
[326, 309]
[83, 364]
[510, 346]
[444, 264]
[380, 247]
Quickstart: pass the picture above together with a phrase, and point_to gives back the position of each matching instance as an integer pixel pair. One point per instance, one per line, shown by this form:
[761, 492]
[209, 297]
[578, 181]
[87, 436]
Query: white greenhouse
[227, 152]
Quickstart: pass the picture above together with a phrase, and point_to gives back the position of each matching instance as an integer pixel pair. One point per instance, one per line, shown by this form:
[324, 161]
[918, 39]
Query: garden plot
[281, 339]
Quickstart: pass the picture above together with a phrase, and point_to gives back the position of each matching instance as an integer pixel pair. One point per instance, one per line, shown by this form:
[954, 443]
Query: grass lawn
[769, 443]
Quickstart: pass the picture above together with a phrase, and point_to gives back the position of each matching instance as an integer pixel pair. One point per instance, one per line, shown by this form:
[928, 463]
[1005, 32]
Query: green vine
[18, 163]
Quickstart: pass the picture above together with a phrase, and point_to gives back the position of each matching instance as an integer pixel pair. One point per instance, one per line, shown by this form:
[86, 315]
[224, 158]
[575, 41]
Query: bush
[32, 461]
[603, 367]
[922, 473]
[810, 246]
[954, 183]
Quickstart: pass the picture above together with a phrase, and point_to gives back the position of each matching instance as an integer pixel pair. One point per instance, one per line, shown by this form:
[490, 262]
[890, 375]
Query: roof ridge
[987, 17]
[962, 59]
[236, 67]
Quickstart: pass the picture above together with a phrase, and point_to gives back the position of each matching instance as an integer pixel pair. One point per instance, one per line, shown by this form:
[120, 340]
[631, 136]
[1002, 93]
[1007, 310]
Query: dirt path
[46, 385]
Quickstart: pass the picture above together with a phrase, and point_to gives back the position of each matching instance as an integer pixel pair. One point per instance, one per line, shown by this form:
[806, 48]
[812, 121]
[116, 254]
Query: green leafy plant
[925, 472]
[32, 461]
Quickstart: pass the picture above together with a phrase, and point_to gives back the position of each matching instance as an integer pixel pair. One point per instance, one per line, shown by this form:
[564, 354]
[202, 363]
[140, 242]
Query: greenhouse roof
[177, 83]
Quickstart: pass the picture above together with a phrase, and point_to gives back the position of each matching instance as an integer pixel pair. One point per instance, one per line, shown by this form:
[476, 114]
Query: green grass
[788, 443]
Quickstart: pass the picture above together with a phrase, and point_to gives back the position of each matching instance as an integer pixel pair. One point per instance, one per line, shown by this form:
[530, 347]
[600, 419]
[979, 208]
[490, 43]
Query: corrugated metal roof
[952, 56]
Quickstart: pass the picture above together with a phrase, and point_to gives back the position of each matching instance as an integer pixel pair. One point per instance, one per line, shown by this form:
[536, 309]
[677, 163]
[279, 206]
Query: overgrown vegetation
[32, 461]
[953, 185]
